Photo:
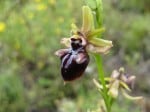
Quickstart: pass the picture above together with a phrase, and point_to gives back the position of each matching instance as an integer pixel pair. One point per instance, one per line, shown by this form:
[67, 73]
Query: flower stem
[99, 20]
[101, 73]
[100, 70]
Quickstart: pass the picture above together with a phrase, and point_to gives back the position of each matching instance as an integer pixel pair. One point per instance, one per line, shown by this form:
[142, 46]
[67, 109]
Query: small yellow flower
[2, 26]
[41, 7]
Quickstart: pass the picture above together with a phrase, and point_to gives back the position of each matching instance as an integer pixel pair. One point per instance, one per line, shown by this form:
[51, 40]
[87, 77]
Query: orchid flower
[89, 34]
[119, 82]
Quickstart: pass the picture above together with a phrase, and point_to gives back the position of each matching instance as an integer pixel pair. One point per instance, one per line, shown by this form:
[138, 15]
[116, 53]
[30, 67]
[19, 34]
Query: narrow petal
[97, 84]
[100, 42]
[130, 97]
[108, 79]
[66, 42]
[124, 85]
[95, 32]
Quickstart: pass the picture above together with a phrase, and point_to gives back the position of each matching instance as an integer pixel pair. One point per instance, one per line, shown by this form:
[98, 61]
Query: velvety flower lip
[89, 34]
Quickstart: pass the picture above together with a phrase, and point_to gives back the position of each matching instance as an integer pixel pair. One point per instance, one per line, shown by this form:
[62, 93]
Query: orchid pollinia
[75, 59]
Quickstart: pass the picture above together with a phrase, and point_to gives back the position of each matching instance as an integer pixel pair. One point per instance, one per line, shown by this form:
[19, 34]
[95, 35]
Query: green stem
[100, 70]
[99, 13]
[101, 73]
[98, 58]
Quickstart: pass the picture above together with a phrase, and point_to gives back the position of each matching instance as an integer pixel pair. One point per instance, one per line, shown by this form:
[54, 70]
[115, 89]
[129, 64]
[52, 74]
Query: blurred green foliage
[30, 31]
[11, 92]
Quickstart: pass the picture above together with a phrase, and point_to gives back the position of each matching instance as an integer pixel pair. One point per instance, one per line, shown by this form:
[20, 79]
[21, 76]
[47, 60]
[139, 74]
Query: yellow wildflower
[2, 26]
[41, 7]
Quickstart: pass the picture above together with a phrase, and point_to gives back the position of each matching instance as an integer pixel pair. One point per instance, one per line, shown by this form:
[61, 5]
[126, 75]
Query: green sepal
[88, 22]
[100, 42]
[95, 32]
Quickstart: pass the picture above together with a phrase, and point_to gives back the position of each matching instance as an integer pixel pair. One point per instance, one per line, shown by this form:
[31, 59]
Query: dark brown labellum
[74, 60]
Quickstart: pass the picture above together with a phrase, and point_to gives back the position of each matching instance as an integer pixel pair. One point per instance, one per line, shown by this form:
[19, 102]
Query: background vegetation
[30, 31]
